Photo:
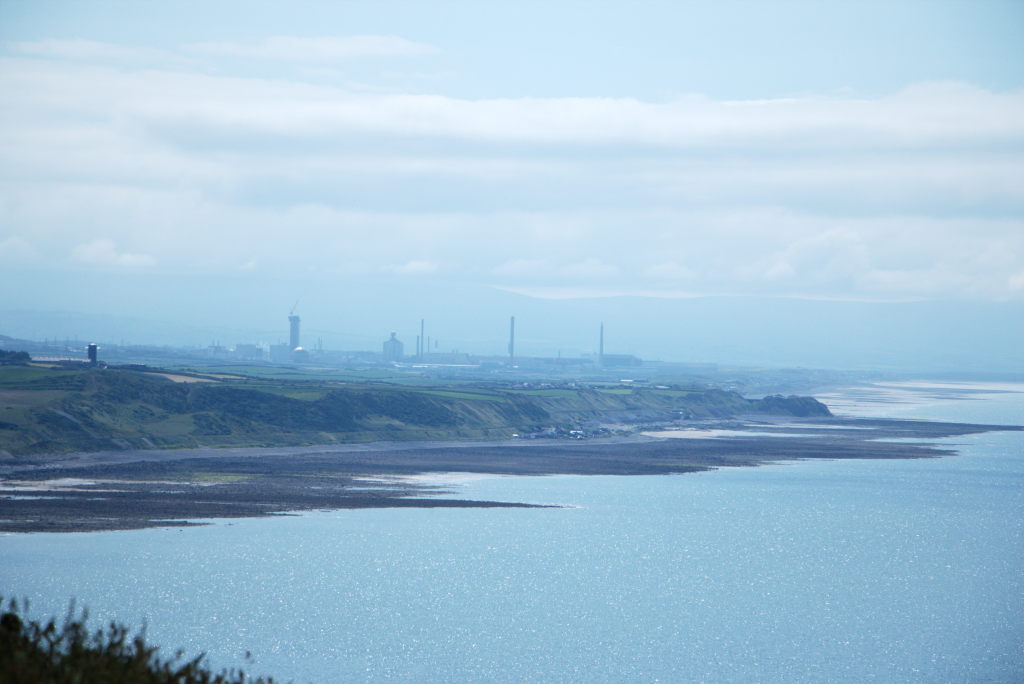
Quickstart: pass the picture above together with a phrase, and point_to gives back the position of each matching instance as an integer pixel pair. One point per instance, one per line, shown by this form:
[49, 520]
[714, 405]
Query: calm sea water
[843, 571]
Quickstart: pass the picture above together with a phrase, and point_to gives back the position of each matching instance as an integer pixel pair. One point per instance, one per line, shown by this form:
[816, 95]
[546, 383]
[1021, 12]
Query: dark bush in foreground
[33, 652]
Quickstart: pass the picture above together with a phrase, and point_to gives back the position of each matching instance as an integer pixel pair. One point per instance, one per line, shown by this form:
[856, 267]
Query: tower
[91, 350]
[512, 340]
[600, 346]
[293, 332]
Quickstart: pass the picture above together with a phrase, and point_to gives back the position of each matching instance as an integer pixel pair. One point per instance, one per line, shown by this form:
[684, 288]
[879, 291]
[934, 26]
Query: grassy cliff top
[62, 409]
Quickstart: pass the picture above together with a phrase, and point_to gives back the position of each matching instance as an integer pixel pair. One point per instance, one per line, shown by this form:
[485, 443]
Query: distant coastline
[117, 490]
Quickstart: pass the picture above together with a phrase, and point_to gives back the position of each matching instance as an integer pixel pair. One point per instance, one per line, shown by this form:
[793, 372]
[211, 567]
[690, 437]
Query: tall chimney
[512, 340]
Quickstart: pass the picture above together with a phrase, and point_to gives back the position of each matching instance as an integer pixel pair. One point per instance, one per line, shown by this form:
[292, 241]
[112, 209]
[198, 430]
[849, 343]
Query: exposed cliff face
[90, 410]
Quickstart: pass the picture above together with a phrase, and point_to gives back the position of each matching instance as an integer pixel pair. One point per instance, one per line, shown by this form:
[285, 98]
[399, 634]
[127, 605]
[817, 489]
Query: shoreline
[172, 488]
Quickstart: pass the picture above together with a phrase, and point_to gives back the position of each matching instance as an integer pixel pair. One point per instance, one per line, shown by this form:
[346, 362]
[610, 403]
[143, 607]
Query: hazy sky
[849, 150]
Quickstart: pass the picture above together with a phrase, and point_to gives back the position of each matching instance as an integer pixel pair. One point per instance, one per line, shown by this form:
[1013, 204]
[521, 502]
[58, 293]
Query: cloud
[416, 267]
[669, 270]
[919, 282]
[588, 269]
[521, 267]
[590, 292]
[926, 117]
[827, 254]
[103, 252]
[15, 247]
[88, 50]
[916, 193]
[315, 49]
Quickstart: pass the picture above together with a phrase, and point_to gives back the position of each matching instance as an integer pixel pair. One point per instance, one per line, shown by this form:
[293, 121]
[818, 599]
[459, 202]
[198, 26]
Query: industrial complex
[425, 352]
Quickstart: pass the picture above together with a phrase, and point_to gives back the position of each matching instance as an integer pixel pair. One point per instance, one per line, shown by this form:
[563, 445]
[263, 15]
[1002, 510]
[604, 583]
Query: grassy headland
[130, 447]
[65, 410]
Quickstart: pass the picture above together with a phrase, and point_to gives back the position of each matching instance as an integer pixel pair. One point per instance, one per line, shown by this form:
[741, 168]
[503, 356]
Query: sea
[803, 571]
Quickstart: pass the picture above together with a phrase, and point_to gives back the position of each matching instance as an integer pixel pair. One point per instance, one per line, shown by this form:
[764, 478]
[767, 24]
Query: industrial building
[427, 353]
[248, 352]
[293, 336]
[280, 353]
[393, 349]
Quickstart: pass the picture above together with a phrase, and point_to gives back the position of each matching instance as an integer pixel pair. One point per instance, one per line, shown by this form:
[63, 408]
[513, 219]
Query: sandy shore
[150, 488]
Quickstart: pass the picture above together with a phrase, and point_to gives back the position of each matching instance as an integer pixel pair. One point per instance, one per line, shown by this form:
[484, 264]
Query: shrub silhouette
[34, 652]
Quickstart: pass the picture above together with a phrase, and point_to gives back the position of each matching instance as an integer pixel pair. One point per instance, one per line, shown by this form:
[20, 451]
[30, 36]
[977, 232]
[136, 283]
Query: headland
[106, 449]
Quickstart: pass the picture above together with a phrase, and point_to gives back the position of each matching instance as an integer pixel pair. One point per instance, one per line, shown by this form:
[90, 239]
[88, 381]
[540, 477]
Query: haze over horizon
[200, 166]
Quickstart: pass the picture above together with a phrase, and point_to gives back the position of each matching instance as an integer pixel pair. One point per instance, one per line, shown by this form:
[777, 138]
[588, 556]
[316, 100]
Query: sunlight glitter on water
[804, 571]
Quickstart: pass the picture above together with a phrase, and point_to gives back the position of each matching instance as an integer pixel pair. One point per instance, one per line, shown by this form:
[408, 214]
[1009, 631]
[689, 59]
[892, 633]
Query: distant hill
[62, 410]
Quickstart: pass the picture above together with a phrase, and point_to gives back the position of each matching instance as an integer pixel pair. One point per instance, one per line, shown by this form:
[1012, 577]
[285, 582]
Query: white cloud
[899, 121]
[669, 270]
[416, 267]
[88, 50]
[521, 267]
[315, 49]
[922, 117]
[913, 194]
[15, 247]
[591, 292]
[319, 51]
[103, 252]
[586, 270]
[922, 282]
[828, 254]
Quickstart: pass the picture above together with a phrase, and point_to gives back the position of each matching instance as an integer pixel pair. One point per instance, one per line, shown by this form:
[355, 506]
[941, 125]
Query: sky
[844, 151]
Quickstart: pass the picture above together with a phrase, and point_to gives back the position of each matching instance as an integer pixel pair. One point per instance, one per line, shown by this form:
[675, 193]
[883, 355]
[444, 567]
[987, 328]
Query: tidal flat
[810, 570]
[134, 489]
